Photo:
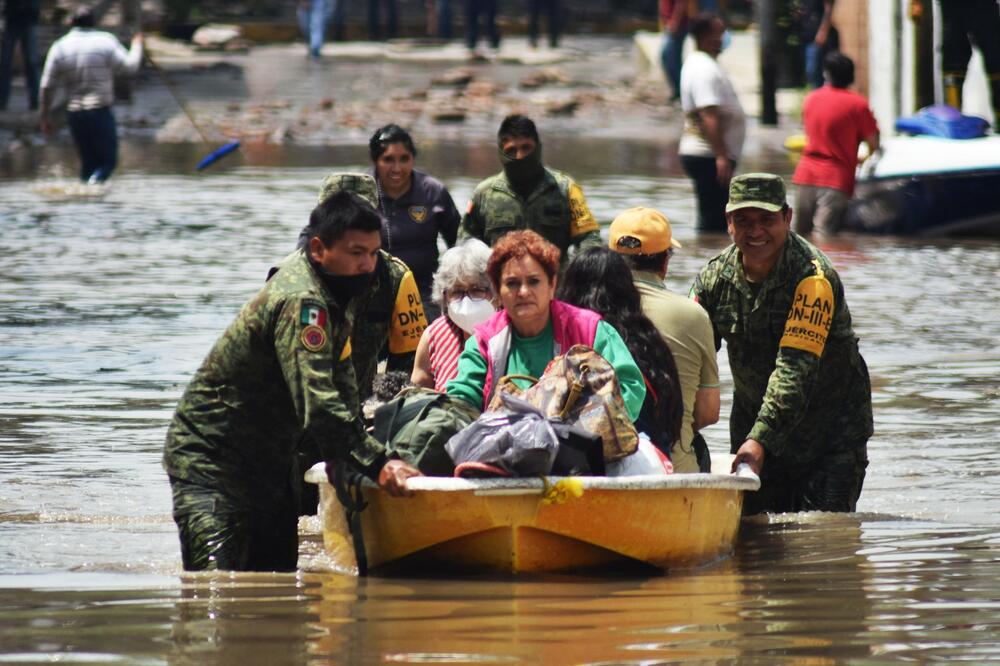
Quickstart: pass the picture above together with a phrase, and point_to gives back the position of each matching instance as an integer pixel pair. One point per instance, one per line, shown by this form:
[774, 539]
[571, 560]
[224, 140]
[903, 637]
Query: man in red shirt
[836, 122]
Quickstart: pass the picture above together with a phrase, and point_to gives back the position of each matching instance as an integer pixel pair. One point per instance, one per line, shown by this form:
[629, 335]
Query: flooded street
[108, 304]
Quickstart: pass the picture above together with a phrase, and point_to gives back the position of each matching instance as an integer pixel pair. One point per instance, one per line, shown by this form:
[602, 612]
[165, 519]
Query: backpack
[416, 424]
[581, 388]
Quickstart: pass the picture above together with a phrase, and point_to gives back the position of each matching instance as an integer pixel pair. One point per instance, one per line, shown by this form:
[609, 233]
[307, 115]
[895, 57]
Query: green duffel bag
[416, 424]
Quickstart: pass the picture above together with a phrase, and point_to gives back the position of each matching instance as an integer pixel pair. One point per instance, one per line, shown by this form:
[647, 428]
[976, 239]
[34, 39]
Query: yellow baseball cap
[641, 231]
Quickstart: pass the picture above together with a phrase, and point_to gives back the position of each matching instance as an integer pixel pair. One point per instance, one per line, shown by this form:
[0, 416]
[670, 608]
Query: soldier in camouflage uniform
[390, 317]
[528, 195]
[281, 373]
[802, 411]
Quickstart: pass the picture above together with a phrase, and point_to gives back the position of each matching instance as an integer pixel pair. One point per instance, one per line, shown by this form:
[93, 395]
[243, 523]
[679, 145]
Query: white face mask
[467, 313]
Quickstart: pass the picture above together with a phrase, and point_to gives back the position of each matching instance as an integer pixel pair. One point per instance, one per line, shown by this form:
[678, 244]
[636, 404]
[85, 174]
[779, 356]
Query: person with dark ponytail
[416, 208]
[600, 280]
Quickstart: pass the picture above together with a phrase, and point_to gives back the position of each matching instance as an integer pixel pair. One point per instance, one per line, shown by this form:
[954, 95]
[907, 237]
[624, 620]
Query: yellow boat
[535, 525]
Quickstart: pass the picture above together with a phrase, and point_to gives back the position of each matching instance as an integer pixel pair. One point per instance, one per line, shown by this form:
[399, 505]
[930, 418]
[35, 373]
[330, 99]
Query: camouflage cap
[756, 190]
[361, 184]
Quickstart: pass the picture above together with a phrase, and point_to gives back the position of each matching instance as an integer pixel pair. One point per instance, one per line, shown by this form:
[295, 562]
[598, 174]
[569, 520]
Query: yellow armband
[408, 318]
[581, 219]
[811, 315]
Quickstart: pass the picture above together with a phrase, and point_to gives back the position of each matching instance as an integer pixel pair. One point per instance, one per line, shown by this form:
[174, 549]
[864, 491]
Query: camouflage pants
[218, 532]
[830, 483]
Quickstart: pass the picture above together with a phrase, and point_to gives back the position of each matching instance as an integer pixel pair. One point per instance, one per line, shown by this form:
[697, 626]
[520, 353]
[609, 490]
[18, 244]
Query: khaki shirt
[688, 332]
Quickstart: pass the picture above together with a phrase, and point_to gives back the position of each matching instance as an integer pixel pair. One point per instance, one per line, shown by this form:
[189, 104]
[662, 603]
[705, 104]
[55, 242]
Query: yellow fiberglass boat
[537, 525]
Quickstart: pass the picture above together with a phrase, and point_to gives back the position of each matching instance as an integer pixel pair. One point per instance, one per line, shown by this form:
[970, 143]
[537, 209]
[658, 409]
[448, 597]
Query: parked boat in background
[534, 525]
[945, 181]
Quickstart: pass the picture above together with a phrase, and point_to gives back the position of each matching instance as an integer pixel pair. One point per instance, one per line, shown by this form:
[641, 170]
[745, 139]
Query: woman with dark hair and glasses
[598, 279]
[416, 208]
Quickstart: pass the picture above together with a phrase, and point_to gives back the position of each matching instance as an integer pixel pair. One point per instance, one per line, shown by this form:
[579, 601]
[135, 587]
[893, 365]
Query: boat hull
[929, 186]
[508, 525]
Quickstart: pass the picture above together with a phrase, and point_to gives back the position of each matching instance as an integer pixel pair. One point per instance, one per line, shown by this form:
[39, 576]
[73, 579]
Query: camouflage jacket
[801, 387]
[390, 317]
[280, 373]
[556, 209]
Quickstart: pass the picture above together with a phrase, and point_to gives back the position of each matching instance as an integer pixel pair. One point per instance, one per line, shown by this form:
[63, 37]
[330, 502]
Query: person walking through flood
[83, 64]
[280, 374]
[714, 122]
[417, 208]
[802, 405]
[836, 122]
[528, 195]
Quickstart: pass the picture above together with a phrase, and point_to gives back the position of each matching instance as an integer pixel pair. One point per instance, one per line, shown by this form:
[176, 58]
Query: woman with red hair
[533, 327]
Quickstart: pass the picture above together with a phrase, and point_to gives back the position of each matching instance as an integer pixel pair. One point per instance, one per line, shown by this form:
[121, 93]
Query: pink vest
[570, 326]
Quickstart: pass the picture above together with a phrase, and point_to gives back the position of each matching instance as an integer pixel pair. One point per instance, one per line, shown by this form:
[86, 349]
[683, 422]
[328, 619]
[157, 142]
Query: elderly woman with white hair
[463, 291]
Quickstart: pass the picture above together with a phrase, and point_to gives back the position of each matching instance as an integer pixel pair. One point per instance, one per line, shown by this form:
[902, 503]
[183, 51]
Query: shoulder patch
[810, 317]
[582, 219]
[313, 338]
[312, 314]
[345, 353]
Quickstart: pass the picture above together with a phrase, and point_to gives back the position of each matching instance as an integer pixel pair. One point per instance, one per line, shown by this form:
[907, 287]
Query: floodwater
[108, 303]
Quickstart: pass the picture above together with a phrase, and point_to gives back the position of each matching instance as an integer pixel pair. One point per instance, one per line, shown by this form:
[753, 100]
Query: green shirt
[530, 356]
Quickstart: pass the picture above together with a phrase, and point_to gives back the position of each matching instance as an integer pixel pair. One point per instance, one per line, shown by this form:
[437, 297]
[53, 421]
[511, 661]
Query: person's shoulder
[397, 267]
[496, 181]
[427, 183]
[805, 257]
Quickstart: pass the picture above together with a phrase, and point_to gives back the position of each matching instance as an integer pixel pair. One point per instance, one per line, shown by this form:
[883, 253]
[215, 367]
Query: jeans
[814, 64]
[443, 18]
[96, 138]
[552, 14]
[712, 195]
[313, 20]
[23, 31]
[374, 27]
[488, 8]
[670, 56]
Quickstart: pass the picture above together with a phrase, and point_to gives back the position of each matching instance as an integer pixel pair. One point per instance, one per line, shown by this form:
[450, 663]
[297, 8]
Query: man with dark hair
[84, 63]
[528, 195]
[714, 123]
[20, 25]
[802, 404]
[644, 239]
[281, 374]
[836, 122]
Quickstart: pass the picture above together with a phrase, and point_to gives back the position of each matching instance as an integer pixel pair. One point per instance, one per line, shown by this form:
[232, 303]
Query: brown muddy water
[107, 305]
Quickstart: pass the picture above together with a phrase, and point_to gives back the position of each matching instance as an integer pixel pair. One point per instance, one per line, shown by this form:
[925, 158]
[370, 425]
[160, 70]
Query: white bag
[646, 460]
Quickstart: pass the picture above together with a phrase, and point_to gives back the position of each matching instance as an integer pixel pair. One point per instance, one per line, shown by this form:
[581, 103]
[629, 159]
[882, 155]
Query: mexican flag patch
[313, 315]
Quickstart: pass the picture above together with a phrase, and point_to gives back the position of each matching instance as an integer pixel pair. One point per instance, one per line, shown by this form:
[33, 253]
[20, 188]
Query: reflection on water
[804, 589]
[109, 302]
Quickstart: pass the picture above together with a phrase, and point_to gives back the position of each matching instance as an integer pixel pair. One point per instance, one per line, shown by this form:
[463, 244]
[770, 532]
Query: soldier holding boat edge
[282, 373]
[802, 412]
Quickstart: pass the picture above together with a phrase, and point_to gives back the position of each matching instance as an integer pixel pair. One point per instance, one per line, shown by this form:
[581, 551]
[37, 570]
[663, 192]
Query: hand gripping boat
[538, 525]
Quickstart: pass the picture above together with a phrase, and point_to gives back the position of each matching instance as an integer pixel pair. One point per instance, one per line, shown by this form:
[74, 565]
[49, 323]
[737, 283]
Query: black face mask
[524, 174]
[345, 287]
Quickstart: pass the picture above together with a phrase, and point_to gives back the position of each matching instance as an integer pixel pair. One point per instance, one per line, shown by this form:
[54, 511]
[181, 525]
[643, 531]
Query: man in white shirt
[82, 64]
[714, 123]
